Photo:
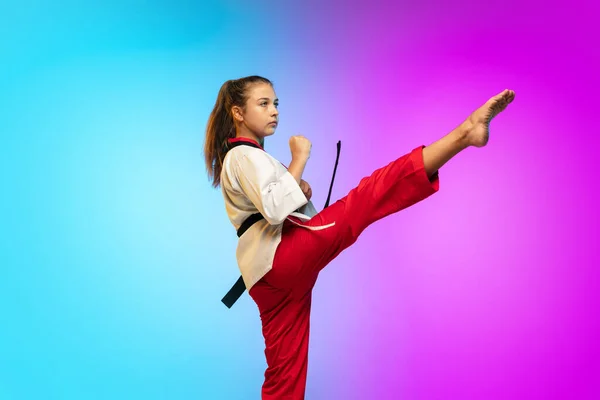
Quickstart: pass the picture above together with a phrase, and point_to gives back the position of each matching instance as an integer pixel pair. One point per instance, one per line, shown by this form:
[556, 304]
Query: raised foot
[477, 125]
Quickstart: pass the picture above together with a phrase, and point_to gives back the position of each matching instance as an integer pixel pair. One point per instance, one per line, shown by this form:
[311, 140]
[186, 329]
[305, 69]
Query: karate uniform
[281, 255]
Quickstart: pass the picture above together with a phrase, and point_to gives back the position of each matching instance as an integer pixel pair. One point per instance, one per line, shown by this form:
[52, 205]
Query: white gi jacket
[253, 181]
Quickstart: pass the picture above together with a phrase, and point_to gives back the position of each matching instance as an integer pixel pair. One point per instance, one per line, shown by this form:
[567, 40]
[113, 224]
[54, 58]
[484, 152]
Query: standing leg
[286, 328]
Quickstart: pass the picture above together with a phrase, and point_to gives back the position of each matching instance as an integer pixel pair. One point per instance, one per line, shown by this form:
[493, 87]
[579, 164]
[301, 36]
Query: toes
[506, 97]
[510, 95]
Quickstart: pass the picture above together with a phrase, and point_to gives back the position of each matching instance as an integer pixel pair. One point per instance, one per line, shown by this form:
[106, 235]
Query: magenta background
[489, 289]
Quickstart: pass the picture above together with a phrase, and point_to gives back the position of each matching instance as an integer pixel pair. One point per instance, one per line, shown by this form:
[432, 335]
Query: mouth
[274, 123]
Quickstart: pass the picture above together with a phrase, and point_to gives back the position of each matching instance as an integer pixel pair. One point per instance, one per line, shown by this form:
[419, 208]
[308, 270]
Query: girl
[284, 243]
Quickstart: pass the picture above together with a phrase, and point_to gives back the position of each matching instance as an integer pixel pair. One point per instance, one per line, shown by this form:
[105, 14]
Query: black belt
[239, 287]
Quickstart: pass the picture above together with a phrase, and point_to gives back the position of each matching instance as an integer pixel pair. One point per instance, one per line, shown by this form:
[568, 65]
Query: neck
[248, 135]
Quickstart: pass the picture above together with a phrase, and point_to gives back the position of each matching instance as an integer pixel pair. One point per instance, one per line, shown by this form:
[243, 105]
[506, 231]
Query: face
[260, 116]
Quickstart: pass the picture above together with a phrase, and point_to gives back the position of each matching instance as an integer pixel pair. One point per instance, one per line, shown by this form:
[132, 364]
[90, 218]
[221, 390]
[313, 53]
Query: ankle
[461, 135]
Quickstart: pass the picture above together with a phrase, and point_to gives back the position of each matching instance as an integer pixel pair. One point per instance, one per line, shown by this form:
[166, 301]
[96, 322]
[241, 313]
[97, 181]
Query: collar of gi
[243, 140]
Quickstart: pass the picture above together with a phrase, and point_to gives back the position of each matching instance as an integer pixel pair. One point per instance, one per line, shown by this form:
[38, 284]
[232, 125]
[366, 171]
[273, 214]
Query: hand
[306, 189]
[300, 147]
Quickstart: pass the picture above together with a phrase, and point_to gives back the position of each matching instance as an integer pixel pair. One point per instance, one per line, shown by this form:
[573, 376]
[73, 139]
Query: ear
[237, 113]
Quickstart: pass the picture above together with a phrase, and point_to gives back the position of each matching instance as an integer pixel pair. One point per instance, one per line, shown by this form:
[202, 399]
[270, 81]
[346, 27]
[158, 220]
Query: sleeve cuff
[294, 198]
[432, 184]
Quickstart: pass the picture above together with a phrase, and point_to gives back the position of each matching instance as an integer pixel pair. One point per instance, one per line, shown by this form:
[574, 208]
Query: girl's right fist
[300, 147]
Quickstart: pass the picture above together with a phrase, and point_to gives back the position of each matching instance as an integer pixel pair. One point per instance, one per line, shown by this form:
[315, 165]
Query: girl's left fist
[305, 189]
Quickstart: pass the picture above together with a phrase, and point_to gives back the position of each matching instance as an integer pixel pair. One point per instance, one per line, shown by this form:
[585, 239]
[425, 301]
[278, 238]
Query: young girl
[284, 242]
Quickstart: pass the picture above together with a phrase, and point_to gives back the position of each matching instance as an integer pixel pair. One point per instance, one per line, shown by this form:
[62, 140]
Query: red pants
[284, 294]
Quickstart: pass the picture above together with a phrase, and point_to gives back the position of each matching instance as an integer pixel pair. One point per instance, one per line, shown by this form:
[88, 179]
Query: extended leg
[396, 186]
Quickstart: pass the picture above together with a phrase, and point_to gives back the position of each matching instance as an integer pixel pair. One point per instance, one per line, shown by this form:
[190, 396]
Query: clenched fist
[306, 189]
[300, 147]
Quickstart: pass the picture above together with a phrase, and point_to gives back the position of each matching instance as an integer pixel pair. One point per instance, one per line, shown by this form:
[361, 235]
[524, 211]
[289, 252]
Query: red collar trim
[244, 139]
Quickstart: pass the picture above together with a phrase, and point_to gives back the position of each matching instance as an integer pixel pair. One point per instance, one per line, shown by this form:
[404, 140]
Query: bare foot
[477, 126]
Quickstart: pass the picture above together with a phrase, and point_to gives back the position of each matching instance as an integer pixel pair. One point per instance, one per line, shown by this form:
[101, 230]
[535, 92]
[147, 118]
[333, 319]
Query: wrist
[302, 159]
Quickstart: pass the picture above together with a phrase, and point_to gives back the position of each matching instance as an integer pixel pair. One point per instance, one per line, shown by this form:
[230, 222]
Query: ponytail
[221, 126]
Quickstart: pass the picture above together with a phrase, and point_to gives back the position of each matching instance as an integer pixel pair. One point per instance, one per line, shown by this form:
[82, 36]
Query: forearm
[296, 168]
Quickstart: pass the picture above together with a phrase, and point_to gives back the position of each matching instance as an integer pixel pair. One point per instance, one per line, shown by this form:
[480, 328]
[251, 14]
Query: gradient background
[116, 251]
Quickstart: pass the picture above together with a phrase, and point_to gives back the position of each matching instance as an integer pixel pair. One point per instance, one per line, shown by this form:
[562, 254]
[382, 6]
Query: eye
[264, 103]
